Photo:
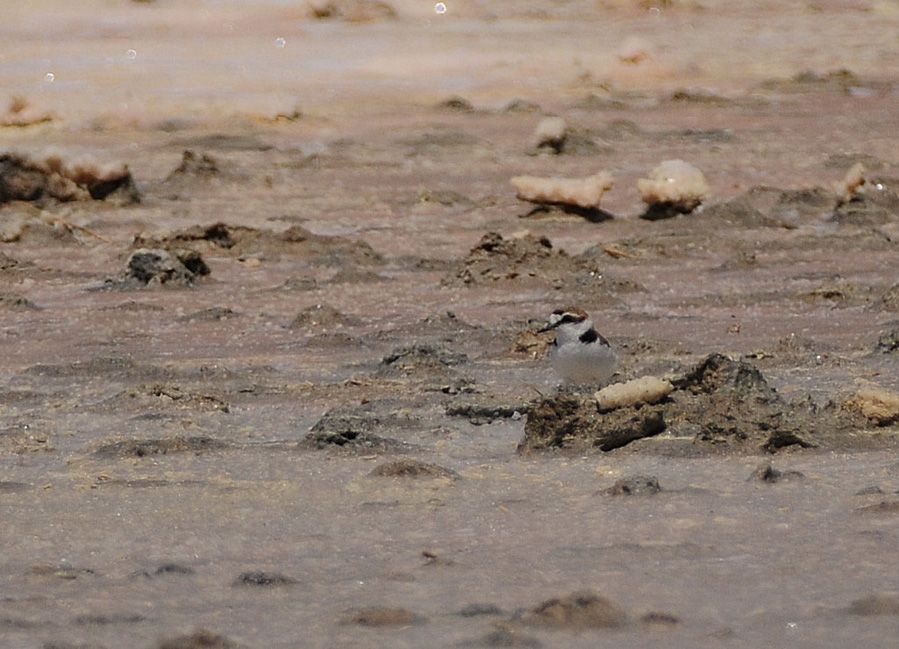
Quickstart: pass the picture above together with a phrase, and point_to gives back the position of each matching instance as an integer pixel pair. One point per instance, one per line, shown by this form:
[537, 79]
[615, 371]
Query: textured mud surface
[280, 383]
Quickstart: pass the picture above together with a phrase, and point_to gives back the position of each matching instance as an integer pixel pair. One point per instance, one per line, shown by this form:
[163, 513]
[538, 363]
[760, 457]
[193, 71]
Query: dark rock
[265, 579]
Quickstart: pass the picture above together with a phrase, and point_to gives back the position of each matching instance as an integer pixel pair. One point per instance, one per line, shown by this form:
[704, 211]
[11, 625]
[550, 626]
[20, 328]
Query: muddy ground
[272, 388]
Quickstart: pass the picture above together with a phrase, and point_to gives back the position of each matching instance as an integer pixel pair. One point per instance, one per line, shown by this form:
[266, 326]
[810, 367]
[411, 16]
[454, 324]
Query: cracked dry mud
[296, 418]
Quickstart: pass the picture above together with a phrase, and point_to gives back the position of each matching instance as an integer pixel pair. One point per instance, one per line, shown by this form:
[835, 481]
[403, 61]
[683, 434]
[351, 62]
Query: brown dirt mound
[420, 359]
[145, 447]
[238, 241]
[320, 316]
[201, 639]
[496, 259]
[378, 616]
[195, 167]
[164, 395]
[353, 11]
[724, 405]
[13, 302]
[360, 428]
[24, 178]
[638, 485]
[578, 611]
[412, 469]
[772, 207]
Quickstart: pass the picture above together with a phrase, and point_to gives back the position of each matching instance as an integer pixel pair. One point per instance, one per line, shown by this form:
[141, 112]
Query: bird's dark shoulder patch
[591, 336]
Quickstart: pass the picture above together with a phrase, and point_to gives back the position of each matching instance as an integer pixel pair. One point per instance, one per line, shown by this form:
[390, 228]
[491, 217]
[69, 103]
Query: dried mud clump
[417, 359]
[13, 302]
[239, 241]
[25, 223]
[201, 639]
[850, 187]
[409, 468]
[496, 259]
[888, 342]
[320, 316]
[380, 616]
[878, 406]
[732, 404]
[674, 187]
[169, 396]
[638, 485]
[575, 194]
[260, 578]
[456, 104]
[578, 612]
[550, 135]
[861, 201]
[724, 405]
[360, 429]
[157, 267]
[28, 178]
[19, 114]
[772, 207]
[353, 11]
[765, 472]
[572, 422]
[194, 167]
[148, 447]
[879, 604]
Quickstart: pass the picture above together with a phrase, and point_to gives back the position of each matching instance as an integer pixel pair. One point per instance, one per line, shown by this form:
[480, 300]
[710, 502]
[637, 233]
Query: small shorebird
[579, 355]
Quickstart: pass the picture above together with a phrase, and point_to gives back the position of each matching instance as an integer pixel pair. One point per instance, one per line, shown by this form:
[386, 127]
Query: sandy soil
[304, 430]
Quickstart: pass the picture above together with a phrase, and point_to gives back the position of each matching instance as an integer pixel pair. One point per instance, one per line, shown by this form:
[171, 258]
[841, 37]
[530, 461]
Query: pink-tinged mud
[309, 428]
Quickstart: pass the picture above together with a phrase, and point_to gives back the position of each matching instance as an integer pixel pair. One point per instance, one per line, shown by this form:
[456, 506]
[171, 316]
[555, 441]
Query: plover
[579, 355]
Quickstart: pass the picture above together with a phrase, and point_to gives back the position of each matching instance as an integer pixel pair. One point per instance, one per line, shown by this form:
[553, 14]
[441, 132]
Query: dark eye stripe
[568, 317]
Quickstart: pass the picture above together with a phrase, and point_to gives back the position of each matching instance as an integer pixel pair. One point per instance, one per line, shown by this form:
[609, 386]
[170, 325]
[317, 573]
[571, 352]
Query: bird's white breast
[577, 362]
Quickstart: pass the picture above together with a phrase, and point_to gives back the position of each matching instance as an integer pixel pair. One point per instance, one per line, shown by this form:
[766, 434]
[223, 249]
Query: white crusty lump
[674, 187]
[584, 193]
[646, 389]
